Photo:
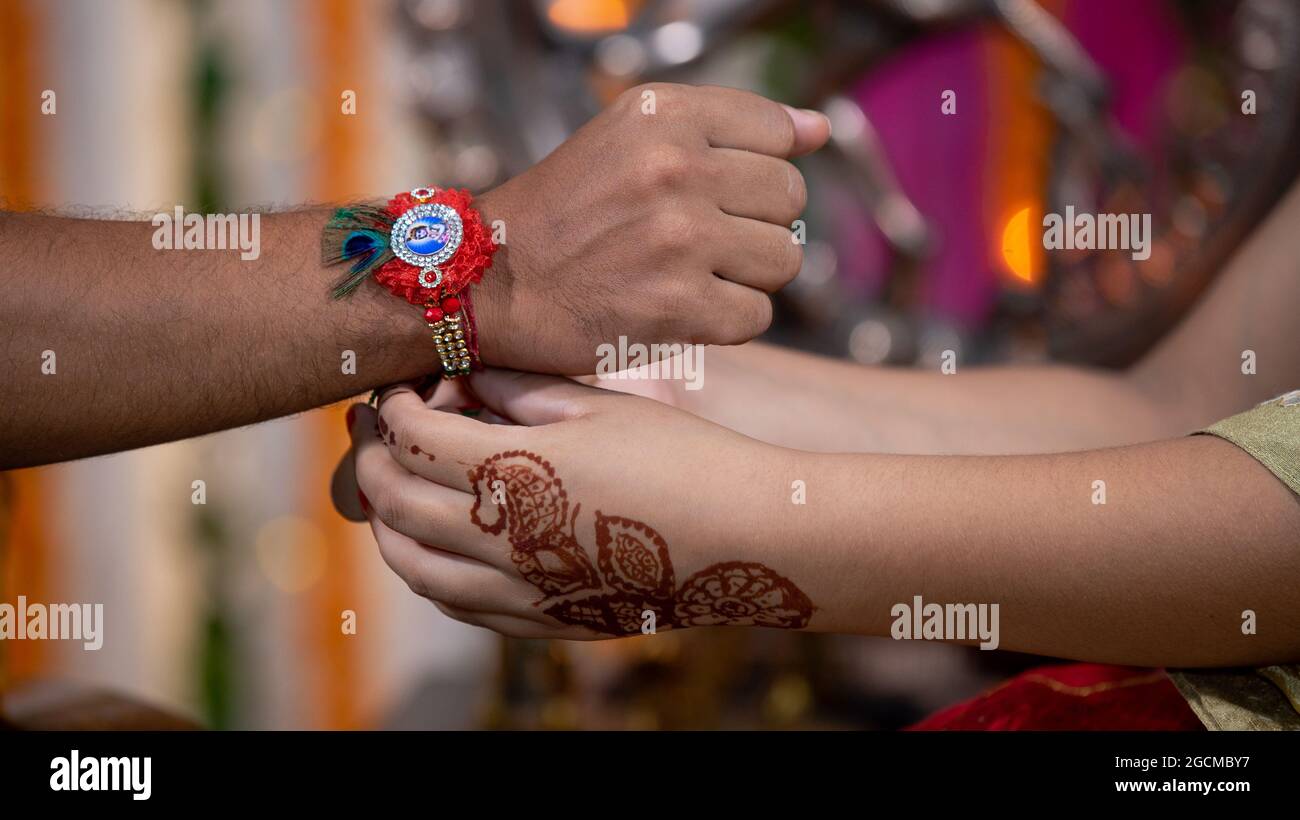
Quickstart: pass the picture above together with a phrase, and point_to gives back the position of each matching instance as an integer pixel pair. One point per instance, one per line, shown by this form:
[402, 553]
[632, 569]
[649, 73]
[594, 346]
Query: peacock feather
[359, 234]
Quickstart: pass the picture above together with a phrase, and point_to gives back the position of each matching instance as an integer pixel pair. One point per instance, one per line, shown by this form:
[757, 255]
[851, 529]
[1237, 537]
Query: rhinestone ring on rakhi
[426, 236]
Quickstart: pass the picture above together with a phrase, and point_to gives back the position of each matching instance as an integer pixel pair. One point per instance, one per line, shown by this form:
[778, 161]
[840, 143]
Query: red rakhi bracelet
[427, 246]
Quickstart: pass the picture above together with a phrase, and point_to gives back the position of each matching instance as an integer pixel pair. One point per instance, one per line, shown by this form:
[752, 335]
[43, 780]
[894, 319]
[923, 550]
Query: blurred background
[957, 124]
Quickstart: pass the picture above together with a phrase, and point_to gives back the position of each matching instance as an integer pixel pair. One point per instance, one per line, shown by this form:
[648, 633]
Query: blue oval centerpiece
[427, 235]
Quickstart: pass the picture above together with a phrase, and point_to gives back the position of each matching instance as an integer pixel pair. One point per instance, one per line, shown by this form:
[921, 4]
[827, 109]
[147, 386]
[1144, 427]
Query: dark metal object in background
[1222, 173]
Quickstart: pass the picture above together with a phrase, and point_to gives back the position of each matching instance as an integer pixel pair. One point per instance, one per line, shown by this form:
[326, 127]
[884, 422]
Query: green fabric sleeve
[1267, 698]
[1270, 433]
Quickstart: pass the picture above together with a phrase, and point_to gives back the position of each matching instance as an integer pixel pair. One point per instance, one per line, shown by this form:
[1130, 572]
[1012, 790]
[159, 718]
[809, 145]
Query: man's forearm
[1193, 533]
[600, 245]
[108, 343]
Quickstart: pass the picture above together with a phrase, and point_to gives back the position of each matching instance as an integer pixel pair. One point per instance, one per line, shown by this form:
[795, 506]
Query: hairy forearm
[815, 403]
[1193, 533]
[108, 343]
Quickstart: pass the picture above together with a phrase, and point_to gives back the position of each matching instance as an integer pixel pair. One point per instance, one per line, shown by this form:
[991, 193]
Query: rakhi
[427, 246]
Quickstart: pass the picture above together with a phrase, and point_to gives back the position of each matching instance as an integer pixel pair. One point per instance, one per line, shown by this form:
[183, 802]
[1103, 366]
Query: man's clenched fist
[667, 218]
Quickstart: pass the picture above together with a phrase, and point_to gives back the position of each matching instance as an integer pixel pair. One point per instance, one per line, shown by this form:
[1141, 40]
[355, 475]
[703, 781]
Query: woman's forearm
[1193, 534]
[1237, 347]
[839, 406]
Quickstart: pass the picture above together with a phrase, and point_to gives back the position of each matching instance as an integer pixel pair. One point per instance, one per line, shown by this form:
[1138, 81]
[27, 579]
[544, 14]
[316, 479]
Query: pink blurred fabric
[943, 162]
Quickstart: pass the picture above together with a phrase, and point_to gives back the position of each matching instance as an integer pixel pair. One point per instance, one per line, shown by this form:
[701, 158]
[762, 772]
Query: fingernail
[365, 502]
[806, 117]
[822, 116]
[400, 387]
[351, 417]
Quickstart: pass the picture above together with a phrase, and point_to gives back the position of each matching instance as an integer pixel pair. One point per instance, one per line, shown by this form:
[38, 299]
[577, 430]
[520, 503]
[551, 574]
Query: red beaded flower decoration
[425, 246]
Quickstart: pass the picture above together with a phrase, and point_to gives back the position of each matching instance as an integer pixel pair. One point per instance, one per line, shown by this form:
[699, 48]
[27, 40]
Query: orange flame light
[1021, 249]
[590, 16]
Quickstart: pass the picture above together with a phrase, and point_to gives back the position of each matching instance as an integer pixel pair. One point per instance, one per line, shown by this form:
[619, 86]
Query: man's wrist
[492, 297]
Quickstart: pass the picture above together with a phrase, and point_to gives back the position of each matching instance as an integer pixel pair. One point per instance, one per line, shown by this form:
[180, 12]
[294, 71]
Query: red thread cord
[471, 328]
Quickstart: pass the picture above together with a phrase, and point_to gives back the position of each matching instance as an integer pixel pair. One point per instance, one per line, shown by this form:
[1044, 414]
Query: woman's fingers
[450, 578]
[425, 511]
[469, 577]
[343, 486]
[459, 397]
[510, 625]
[531, 399]
[439, 444]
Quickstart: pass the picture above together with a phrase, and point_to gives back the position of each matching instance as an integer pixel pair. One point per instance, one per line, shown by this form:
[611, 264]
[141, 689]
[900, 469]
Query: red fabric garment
[1073, 697]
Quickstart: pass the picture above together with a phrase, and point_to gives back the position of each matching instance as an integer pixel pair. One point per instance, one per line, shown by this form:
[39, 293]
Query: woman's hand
[597, 515]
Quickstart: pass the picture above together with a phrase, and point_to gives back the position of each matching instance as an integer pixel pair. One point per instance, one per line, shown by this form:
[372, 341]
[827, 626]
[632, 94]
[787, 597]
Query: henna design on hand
[536, 510]
[628, 563]
[741, 594]
[416, 450]
[635, 570]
